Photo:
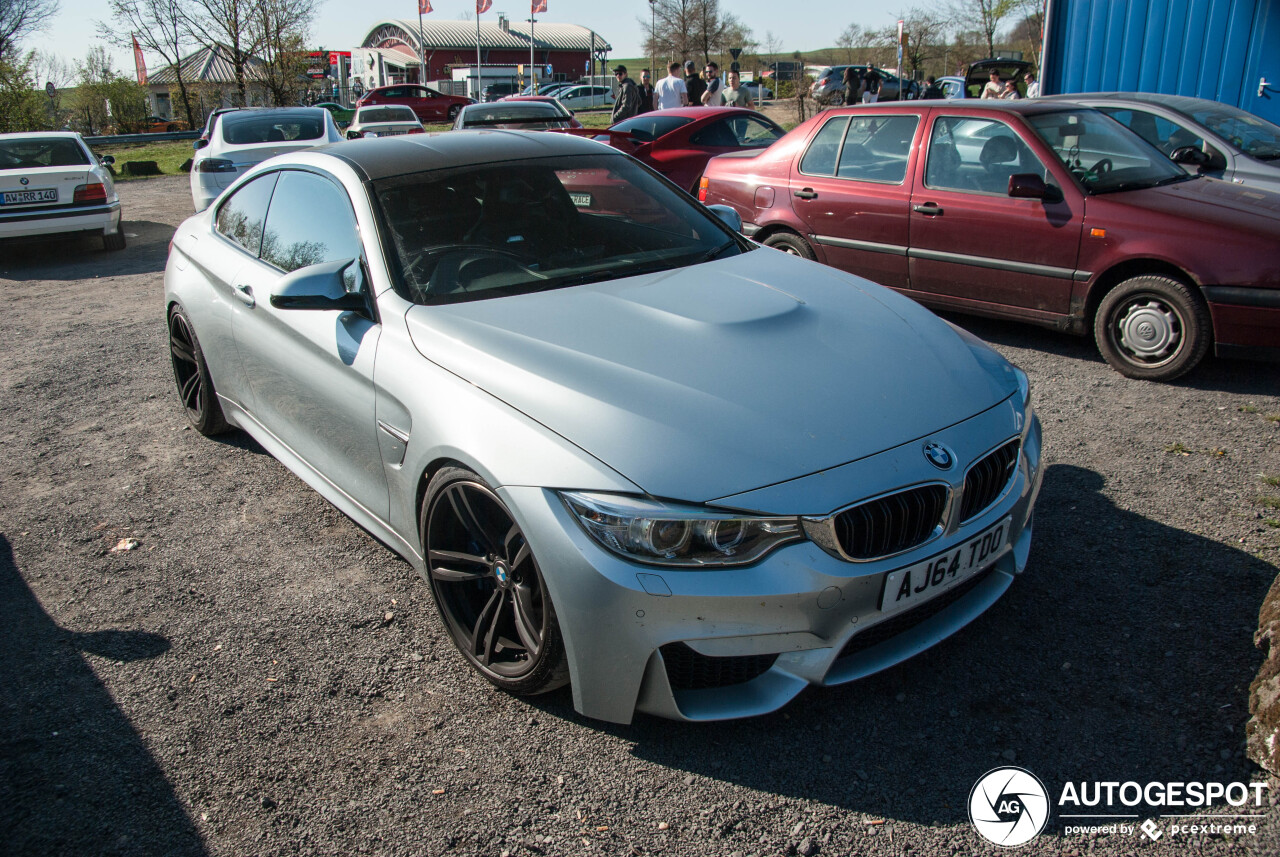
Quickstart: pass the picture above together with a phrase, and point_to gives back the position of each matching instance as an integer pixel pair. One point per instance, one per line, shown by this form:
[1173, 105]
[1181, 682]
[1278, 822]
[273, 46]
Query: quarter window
[310, 222]
[876, 148]
[977, 155]
[240, 218]
[820, 160]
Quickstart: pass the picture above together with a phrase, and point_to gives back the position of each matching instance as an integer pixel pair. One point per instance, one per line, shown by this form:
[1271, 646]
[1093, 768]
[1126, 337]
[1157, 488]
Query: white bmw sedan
[627, 448]
[384, 120]
[50, 184]
[244, 138]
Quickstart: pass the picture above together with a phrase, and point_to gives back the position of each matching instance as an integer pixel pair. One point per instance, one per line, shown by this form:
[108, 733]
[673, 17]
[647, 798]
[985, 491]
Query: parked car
[496, 91]
[679, 142]
[625, 447]
[160, 125]
[1037, 210]
[759, 92]
[342, 116]
[828, 87]
[952, 86]
[52, 184]
[389, 121]
[244, 138]
[431, 105]
[529, 114]
[211, 123]
[585, 97]
[544, 89]
[978, 74]
[1206, 137]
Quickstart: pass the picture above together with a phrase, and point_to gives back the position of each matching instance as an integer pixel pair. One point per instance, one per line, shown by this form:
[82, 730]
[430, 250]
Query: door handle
[929, 209]
[244, 294]
[807, 193]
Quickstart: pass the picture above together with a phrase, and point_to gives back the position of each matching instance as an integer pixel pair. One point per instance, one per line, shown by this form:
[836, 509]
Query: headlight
[668, 534]
[1024, 387]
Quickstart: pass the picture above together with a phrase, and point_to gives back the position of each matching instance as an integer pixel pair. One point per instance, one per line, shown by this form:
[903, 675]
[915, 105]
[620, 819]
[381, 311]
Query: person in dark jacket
[870, 84]
[852, 85]
[628, 100]
[693, 83]
[932, 89]
[646, 91]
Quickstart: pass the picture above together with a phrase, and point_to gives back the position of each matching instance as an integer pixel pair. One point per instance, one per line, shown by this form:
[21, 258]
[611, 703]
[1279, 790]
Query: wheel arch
[1128, 269]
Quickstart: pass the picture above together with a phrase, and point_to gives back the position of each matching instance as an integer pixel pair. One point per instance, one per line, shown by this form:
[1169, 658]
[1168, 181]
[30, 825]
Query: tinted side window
[240, 218]
[876, 148]
[310, 222]
[820, 160]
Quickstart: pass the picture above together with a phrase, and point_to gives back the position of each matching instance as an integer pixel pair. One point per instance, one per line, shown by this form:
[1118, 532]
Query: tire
[170, 128]
[790, 243]
[487, 586]
[112, 243]
[453, 112]
[191, 377]
[1153, 328]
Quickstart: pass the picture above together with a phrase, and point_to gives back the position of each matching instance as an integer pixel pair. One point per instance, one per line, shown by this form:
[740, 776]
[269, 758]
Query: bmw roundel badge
[25, 180]
[939, 456]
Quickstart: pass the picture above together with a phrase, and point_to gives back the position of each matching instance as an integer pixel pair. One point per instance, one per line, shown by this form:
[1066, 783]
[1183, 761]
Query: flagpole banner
[424, 6]
[483, 6]
[139, 63]
[538, 6]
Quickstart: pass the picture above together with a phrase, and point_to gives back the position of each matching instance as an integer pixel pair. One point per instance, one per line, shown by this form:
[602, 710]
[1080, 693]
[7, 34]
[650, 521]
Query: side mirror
[107, 160]
[1190, 155]
[353, 135]
[199, 144]
[728, 216]
[328, 286]
[1031, 186]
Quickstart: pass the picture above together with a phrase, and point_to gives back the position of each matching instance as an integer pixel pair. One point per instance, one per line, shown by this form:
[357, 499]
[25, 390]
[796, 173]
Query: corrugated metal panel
[462, 34]
[1180, 47]
[207, 65]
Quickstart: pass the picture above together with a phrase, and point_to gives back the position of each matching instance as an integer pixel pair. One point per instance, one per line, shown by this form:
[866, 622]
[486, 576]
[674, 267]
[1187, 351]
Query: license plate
[581, 200]
[918, 583]
[26, 197]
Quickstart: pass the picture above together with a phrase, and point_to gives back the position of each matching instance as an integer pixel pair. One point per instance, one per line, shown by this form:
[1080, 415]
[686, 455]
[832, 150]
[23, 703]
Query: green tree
[983, 17]
[23, 106]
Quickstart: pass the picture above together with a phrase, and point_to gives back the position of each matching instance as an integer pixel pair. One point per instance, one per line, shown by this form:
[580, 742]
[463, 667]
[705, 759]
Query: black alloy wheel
[488, 587]
[191, 375]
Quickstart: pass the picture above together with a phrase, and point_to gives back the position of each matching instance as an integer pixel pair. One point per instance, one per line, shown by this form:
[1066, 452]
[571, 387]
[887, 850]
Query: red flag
[483, 6]
[538, 6]
[424, 6]
[139, 63]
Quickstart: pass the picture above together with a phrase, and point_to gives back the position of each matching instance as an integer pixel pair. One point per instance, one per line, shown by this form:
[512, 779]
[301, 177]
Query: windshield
[486, 231]
[41, 152]
[1103, 155]
[257, 128]
[385, 114]
[1248, 133]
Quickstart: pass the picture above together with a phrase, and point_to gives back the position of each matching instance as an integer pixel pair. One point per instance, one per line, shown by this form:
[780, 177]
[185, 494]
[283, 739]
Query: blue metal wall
[1206, 48]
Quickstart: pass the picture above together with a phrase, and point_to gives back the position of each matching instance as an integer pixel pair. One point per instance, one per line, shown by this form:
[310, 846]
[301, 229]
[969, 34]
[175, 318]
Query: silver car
[627, 448]
[1205, 137]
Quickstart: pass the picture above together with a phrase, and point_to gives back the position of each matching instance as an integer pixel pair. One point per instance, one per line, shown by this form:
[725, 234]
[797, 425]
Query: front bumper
[90, 218]
[636, 634]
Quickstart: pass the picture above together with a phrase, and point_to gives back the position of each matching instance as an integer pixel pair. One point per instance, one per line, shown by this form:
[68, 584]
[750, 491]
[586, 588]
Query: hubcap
[485, 580]
[1149, 330]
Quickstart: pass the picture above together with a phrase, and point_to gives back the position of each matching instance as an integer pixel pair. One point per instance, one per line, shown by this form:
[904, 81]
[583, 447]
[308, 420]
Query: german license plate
[918, 583]
[581, 200]
[27, 197]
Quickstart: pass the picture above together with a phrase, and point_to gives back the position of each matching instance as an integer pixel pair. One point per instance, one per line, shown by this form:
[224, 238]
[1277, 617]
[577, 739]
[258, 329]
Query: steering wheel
[1101, 168]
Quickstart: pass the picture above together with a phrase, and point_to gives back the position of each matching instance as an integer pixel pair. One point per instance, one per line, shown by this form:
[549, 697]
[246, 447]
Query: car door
[429, 106]
[311, 371]
[851, 189]
[974, 246]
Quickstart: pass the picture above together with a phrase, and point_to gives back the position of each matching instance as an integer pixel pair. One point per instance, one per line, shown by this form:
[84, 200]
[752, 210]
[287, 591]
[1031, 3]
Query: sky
[342, 24]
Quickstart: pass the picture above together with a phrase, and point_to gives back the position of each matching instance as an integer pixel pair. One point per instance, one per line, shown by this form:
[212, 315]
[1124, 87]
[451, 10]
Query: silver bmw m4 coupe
[628, 449]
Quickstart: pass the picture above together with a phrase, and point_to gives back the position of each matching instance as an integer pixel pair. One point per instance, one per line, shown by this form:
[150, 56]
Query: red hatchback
[679, 142]
[429, 104]
[1045, 212]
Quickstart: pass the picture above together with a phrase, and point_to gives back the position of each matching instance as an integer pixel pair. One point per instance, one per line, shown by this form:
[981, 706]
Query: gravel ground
[259, 676]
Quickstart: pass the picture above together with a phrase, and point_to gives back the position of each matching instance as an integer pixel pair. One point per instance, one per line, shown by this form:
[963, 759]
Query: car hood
[1249, 209]
[719, 378]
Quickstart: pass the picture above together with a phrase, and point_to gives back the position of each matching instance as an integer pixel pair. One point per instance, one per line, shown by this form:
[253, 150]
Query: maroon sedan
[679, 142]
[430, 105]
[1049, 213]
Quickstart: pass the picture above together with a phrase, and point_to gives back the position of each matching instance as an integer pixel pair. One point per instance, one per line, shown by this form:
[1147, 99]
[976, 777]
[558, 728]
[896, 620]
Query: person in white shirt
[671, 91]
[994, 87]
[1033, 85]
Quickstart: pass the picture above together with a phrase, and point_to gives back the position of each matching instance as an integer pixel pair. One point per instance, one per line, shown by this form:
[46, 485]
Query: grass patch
[1273, 418]
[1273, 481]
[169, 156]
[1268, 501]
[1177, 449]
[1272, 522]
[1248, 409]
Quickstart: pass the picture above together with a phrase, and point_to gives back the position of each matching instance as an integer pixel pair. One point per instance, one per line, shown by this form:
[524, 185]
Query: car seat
[999, 159]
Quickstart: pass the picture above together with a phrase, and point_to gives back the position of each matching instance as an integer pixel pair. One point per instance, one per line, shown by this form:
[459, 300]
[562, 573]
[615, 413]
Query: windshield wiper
[1139, 185]
[714, 252]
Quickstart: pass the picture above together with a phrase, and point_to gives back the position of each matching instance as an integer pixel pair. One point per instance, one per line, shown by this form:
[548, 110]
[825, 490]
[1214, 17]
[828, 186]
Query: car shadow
[75, 777]
[241, 440]
[1124, 652]
[1241, 377]
[66, 259]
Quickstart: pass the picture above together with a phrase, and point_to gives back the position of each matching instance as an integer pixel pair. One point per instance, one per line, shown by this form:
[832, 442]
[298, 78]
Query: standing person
[646, 92]
[994, 88]
[714, 95]
[737, 95]
[852, 85]
[1033, 85]
[670, 91]
[871, 85]
[693, 84]
[628, 100]
[932, 89]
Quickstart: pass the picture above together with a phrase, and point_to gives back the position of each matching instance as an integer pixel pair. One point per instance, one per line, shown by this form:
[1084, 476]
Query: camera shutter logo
[1009, 806]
